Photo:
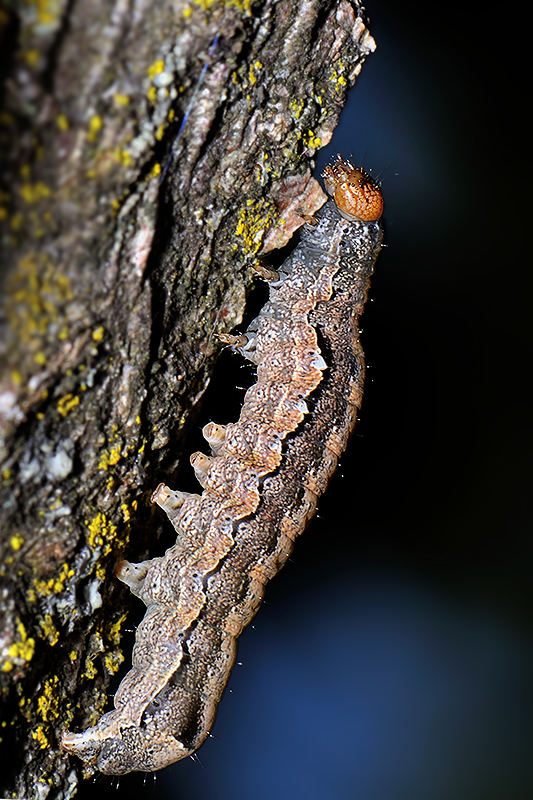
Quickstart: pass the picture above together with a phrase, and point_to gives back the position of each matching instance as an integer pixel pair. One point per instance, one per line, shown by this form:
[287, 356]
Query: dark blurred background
[392, 657]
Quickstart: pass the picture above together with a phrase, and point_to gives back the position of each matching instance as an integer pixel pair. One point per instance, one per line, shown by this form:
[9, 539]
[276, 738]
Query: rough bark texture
[117, 282]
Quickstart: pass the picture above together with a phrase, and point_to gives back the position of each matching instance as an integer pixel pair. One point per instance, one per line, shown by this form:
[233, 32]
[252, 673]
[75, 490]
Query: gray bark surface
[153, 150]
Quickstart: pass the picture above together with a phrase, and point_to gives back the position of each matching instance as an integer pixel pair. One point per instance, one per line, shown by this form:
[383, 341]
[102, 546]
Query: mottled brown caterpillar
[260, 488]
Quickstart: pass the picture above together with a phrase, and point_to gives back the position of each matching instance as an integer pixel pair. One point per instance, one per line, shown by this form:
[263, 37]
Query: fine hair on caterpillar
[261, 483]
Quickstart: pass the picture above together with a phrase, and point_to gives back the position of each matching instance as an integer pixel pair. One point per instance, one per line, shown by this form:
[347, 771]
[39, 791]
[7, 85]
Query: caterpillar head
[356, 194]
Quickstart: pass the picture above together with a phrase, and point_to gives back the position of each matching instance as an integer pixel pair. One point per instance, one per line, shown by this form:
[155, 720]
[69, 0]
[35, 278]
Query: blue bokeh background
[392, 657]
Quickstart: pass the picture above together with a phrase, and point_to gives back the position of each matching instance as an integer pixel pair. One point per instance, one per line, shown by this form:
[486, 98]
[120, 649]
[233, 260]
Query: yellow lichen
[62, 122]
[48, 704]
[100, 572]
[125, 157]
[121, 99]
[16, 222]
[311, 140]
[17, 540]
[38, 293]
[113, 632]
[90, 670]
[24, 648]
[254, 221]
[336, 76]
[102, 533]
[67, 403]
[32, 57]
[297, 106]
[155, 68]
[98, 334]
[113, 662]
[34, 192]
[251, 73]
[95, 126]
[39, 735]
[49, 630]
[54, 585]
[48, 701]
[110, 457]
[242, 5]
[47, 11]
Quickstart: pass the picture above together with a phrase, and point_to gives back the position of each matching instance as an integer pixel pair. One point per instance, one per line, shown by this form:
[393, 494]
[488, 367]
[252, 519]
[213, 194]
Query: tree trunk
[154, 149]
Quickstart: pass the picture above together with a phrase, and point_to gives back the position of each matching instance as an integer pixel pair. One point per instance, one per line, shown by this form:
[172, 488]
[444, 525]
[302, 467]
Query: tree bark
[154, 149]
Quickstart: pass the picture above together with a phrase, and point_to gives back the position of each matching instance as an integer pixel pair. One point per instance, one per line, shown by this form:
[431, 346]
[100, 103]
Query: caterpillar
[260, 486]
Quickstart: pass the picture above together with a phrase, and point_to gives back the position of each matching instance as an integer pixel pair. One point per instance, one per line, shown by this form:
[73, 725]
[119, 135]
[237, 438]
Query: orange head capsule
[356, 194]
